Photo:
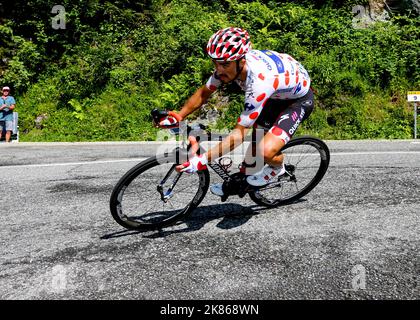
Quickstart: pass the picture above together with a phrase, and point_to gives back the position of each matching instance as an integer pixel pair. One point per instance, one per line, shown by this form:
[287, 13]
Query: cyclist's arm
[195, 101]
[234, 139]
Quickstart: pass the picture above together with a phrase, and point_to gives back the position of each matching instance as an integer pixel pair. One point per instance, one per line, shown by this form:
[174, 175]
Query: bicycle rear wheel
[152, 194]
[306, 160]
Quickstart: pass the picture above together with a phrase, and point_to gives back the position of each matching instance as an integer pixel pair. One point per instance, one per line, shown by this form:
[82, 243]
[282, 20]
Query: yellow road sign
[413, 96]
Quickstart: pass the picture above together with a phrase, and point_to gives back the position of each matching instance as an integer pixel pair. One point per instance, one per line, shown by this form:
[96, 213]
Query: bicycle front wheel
[152, 194]
[306, 160]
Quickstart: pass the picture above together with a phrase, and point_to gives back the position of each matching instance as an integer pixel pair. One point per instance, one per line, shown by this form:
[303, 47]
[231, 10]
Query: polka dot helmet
[229, 44]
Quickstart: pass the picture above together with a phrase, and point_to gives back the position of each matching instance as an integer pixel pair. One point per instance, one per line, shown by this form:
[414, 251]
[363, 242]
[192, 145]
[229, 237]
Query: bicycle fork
[166, 195]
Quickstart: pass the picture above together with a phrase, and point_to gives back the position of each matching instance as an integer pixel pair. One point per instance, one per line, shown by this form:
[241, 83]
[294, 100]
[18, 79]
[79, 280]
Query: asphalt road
[355, 236]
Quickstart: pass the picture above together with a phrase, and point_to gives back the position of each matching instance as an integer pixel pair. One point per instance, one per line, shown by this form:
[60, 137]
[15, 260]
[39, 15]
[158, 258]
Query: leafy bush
[99, 78]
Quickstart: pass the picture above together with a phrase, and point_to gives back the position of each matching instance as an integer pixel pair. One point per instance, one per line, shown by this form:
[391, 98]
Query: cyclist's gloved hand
[171, 121]
[196, 163]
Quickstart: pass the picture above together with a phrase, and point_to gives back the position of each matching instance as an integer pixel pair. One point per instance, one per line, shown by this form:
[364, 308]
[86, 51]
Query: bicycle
[153, 195]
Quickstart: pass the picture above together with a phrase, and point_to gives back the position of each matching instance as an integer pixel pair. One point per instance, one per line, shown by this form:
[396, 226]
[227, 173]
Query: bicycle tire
[324, 163]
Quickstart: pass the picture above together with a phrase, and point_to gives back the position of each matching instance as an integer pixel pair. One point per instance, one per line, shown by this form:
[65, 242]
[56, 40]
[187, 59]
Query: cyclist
[277, 99]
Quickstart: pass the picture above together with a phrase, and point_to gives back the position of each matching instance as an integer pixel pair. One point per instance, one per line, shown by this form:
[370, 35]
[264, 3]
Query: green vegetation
[99, 78]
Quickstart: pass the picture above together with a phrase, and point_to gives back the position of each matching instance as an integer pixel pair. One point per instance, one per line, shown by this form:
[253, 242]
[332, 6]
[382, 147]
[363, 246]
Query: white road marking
[73, 163]
[141, 159]
[373, 153]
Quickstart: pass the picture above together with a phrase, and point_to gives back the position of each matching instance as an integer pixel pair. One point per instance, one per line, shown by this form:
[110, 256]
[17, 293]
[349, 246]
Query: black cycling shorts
[283, 117]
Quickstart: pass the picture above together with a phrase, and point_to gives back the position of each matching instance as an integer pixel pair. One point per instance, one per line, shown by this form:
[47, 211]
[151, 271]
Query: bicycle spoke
[302, 156]
[180, 191]
[296, 185]
[170, 203]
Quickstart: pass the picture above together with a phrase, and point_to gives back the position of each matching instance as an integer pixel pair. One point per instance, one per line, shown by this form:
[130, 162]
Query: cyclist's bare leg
[8, 135]
[270, 147]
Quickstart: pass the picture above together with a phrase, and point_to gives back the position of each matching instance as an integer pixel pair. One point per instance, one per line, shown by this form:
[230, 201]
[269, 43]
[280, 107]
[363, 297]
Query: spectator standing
[7, 105]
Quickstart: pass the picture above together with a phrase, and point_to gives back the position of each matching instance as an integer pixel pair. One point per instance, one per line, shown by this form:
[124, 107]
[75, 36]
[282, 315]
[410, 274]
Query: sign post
[15, 126]
[414, 96]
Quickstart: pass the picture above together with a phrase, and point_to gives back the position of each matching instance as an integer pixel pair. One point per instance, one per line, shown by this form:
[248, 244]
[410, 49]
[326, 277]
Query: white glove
[171, 121]
[196, 163]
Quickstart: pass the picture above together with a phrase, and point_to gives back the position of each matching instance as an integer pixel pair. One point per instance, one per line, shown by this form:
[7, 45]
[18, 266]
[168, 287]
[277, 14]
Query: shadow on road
[234, 215]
